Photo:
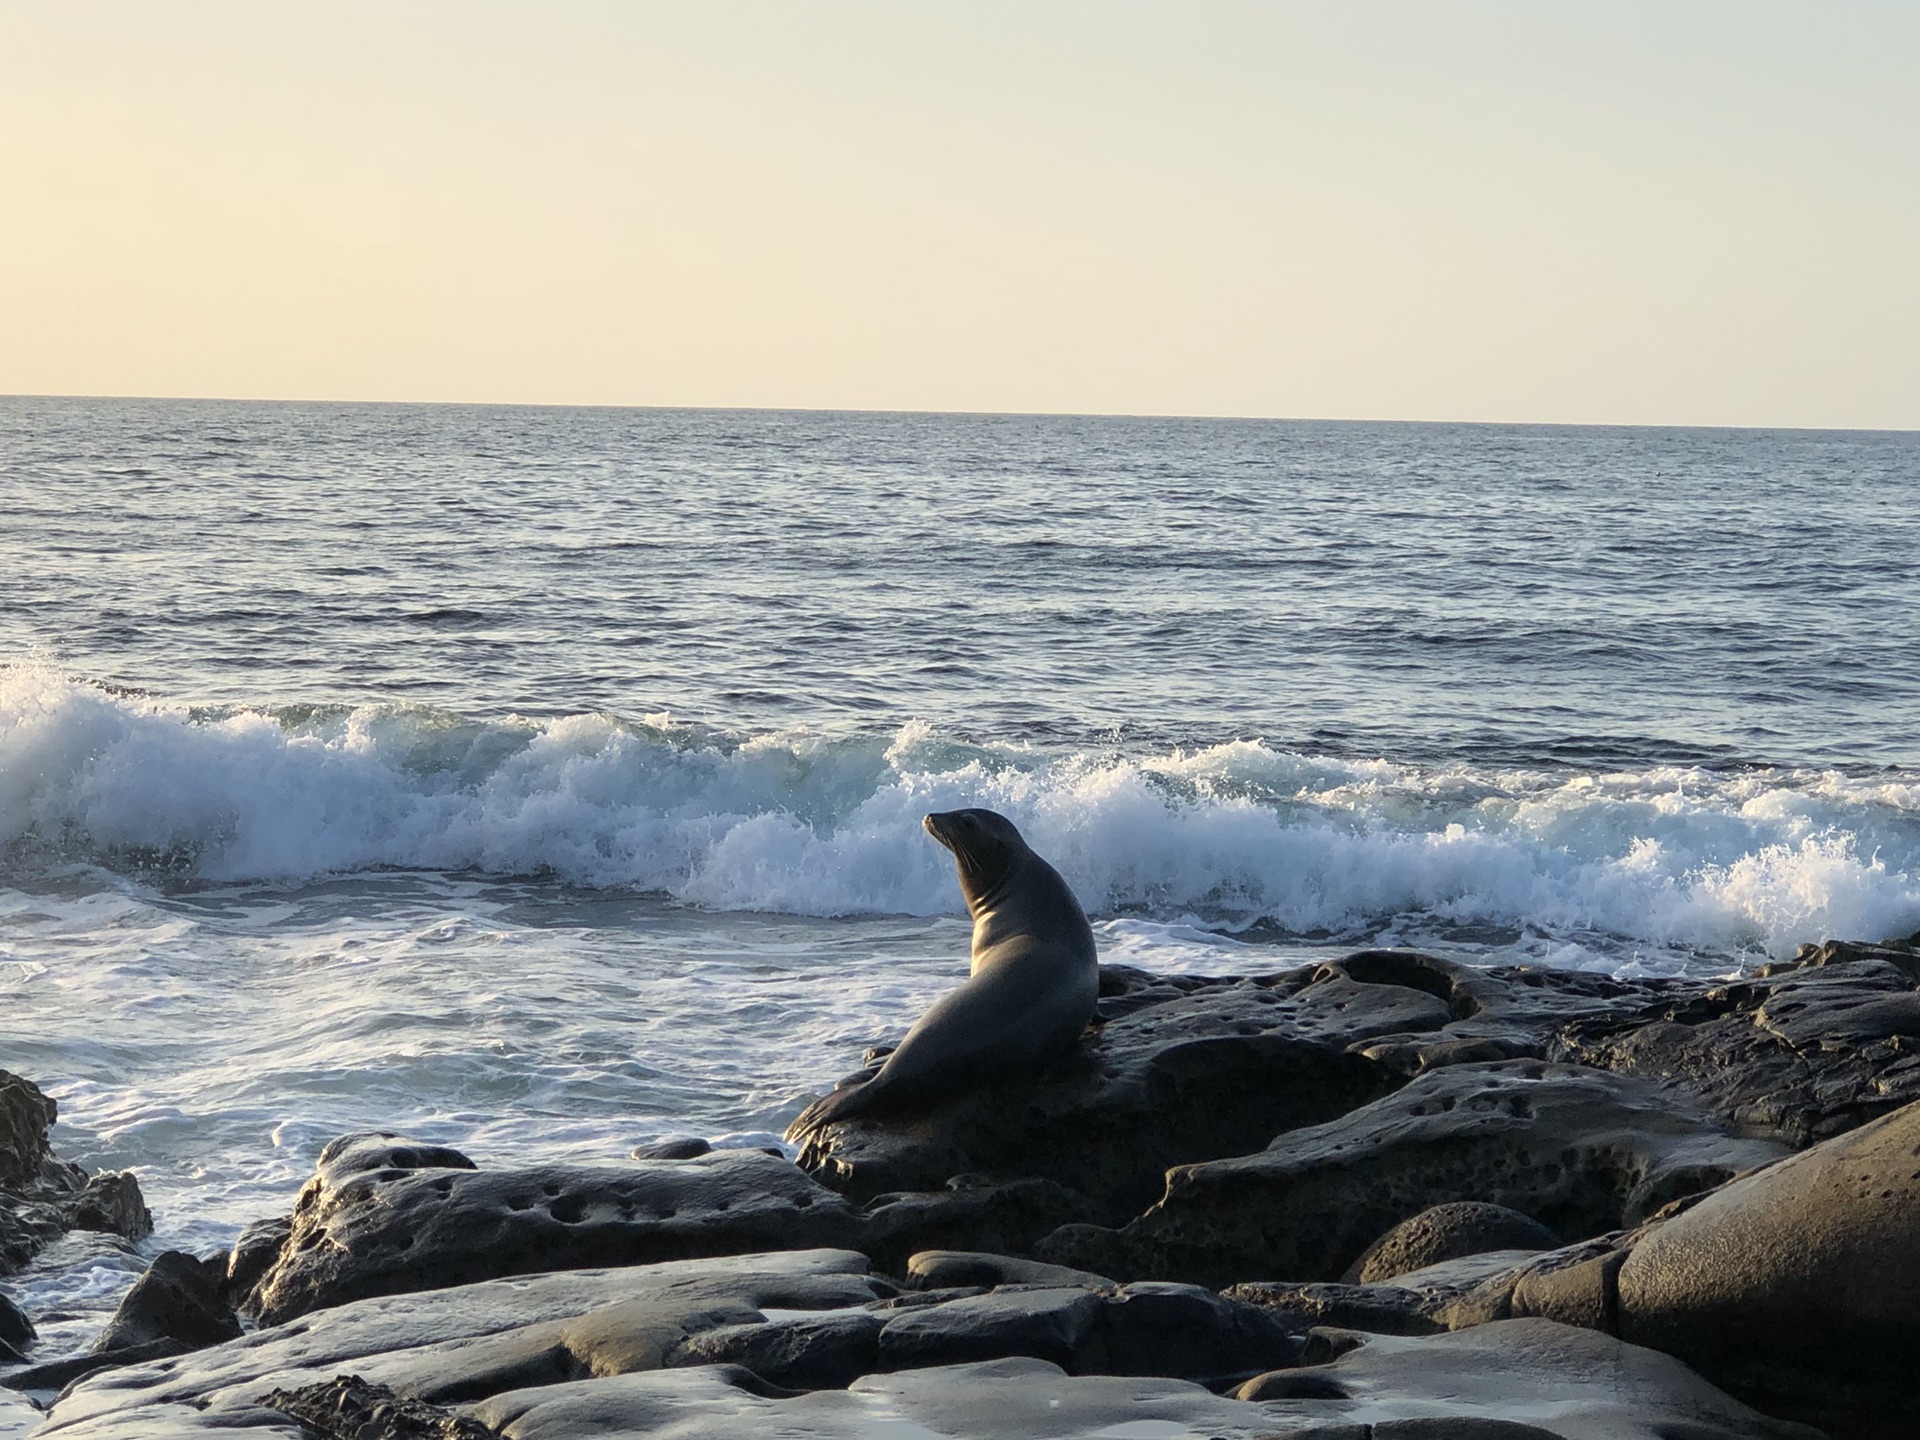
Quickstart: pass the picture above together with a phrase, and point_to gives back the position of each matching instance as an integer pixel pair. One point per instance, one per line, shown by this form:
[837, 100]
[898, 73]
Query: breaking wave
[1235, 835]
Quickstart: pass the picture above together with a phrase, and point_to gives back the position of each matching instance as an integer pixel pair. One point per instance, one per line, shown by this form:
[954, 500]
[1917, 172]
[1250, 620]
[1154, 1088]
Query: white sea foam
[808, 824]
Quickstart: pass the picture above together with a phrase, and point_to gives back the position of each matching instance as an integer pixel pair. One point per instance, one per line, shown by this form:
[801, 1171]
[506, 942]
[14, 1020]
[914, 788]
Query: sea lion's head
[985, 846]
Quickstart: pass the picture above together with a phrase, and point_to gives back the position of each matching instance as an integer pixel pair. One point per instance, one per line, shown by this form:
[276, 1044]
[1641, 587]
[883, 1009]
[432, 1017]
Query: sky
[1684, 212]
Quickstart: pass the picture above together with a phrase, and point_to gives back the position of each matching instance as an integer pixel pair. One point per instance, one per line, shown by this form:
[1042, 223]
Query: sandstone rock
[1804, 1050]
[1580, 1150]
[58, 1374]
[1798, 1281]
[455, 1345]
[1188, 1071]
[1047, 1324]
[811, 1353]
[177, 1299]
[1448, 1232]
[983, 1217]
[1015, 1399]
[376, 1231]
[1513, 1378]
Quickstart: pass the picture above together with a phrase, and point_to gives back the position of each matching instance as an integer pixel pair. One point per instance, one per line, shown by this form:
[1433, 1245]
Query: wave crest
[807, 823]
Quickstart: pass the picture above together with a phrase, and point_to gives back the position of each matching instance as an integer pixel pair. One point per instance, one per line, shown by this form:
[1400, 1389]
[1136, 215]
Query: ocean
[544, 782]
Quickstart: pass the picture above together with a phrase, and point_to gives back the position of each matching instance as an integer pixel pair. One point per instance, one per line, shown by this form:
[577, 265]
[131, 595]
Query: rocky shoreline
[1381, 1198]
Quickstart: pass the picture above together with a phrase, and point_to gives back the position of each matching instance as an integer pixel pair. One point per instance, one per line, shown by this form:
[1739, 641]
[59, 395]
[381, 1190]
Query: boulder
[381, 1219]
[1797, 1282]
[15, 1328]
[1186, 1070]
[1448, 1232]
[41, 1197]
[1579, 1150]
[26, 1113]
[1182, 1070]
[179, 1298]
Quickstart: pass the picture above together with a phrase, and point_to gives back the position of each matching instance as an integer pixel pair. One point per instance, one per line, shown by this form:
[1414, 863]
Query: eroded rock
[1799, 1281]
[362, 1227]
[42, 1198]
[1579, 1150]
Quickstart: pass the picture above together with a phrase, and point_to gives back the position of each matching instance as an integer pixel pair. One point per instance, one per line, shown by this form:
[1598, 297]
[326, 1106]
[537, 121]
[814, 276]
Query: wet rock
[1448, 1232]
[1014, 1399]
[684, 1147]
[1804, 1050]
[26, 1113]
[179, 1298]
[15, 1328]
[254, 1253]
[986, 1217]
[1195, 1070]
[817, 1352]
[1799, 1281]
[19, 1416]
[1376, 1309]
[58, 1374]
[1505, 1381]
[348, 1408]
[358, 1232]
[1579, 1150]
[1047, 1324]
[1155, 1327]
[936, 1269]
[1187, 1070]
[41, 1198]
[455, 1346]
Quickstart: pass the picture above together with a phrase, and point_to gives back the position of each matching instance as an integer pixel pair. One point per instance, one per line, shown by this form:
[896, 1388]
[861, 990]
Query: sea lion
[1031, 992]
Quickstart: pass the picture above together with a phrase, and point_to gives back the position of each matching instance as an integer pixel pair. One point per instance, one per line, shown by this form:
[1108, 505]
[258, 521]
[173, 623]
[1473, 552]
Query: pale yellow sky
[1691, 213]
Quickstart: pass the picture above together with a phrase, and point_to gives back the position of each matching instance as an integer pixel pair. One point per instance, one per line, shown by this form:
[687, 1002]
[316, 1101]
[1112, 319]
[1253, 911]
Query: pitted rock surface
[1188, 1069]
[453, 1346]
[1799, 1281]
[1579, 1150]
[359, 1232]
[1804, 1050]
